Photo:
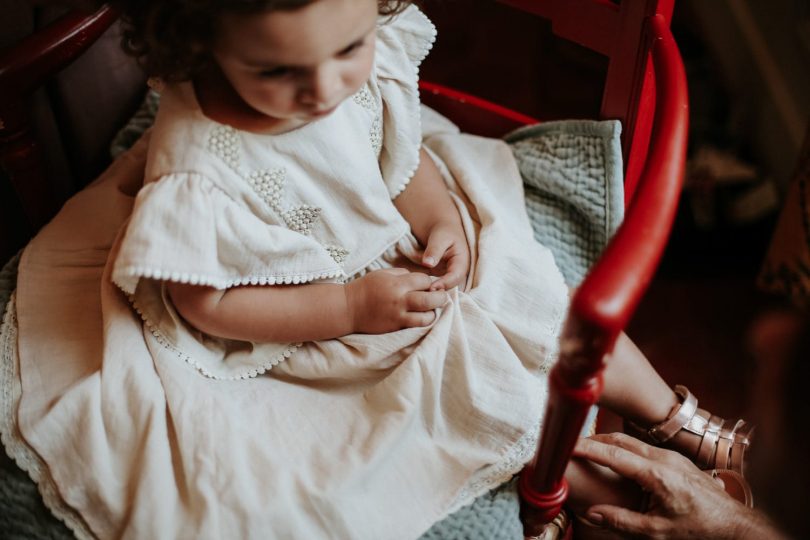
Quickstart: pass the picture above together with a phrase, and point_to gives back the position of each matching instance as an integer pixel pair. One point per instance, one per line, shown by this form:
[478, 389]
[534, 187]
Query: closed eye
[275, 73]
[352, 48]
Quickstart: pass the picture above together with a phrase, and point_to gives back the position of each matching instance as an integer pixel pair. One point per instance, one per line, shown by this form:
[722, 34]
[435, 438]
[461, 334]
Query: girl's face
[299, 65]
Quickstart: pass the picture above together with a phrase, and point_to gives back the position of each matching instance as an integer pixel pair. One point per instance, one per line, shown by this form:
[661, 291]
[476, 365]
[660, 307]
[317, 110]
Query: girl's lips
[325, 112]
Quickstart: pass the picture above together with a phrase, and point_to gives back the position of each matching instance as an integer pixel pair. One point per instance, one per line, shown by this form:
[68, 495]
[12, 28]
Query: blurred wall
[762, 49]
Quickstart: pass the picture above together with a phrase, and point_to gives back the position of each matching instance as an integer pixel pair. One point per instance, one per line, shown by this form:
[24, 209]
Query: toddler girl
[345, 332]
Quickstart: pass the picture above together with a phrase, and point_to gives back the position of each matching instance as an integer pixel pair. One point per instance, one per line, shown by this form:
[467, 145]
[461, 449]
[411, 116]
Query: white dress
[135, 425]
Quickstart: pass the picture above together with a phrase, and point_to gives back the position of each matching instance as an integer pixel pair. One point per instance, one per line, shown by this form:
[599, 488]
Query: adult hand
[448, 254]
[392, 299]
[684, 502]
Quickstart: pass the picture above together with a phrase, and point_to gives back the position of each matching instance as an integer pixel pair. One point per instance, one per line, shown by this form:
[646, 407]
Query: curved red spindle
[605, 301]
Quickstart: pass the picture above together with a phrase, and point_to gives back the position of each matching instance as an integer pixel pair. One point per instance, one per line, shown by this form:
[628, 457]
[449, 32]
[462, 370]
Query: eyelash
[276, 73]
[352, 48]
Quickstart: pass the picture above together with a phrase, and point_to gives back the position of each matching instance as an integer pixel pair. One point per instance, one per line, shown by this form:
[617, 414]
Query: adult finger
[620, 460]
[426, 301]
[642, 449]
[623, 520]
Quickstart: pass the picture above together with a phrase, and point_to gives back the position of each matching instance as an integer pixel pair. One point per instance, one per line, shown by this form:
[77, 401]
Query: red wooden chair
[644, 87]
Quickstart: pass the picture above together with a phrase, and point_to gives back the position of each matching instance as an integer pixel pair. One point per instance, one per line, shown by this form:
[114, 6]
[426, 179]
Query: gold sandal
[724, 442]
[735, 485]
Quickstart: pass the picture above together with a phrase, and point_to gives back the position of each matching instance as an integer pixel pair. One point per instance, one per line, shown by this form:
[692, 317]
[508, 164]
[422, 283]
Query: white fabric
[362, 437]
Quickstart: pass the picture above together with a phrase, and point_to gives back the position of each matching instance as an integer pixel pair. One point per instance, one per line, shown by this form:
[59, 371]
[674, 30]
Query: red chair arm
[605, 301]
[470, 113]
[609, 295]
[27, 64]
[24, 67]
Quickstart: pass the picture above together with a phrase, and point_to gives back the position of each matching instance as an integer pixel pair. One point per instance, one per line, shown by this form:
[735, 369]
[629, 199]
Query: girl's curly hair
[172, 39]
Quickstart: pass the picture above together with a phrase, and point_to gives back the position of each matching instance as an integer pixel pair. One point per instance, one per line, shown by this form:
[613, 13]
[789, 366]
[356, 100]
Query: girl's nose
[321, 87]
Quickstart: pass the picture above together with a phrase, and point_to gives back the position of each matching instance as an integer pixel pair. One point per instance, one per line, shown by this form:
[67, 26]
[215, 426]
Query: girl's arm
[379, 302]
[435, 221]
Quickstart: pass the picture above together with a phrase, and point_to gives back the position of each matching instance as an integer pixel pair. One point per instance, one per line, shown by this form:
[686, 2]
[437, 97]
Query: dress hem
[15, 446]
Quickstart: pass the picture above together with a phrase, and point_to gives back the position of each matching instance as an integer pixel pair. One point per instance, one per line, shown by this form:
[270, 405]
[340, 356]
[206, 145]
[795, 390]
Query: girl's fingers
[437, 246]
[426, 301]
[417, 281]
[444, 283]
[438, 285]
[457, 267]
[455, 272]
[419, 318]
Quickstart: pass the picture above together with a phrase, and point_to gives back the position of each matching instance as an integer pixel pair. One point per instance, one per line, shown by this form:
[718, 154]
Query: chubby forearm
[426, 202]
[279, 314]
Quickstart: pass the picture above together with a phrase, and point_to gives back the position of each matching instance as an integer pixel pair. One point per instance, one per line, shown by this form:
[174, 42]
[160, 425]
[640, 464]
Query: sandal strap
[741, 442]
[664, 431]
[723, 443]
[708, 444]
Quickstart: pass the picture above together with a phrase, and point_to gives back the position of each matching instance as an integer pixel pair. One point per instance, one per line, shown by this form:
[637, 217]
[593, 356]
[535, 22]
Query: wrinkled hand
[684, 501]
[447, 255]
[392, 299]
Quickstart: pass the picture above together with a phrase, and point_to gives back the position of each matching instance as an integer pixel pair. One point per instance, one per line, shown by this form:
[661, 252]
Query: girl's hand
[392, 299]
[447, 247]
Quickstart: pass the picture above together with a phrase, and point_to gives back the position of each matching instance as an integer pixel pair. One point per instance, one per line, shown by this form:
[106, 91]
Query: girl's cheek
[274, 92]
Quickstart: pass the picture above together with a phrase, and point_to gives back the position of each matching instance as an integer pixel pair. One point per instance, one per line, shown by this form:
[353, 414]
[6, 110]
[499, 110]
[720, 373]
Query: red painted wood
[629, 86]
[591, 23]
[614, 287]
[646, 90]
[636, 140]
[654, 146]
[603, 304]
[24, 67]
[472, 114]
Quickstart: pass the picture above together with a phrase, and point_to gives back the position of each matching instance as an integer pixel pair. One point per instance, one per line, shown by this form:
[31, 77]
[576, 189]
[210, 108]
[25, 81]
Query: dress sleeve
[402, 43]
[183, 228]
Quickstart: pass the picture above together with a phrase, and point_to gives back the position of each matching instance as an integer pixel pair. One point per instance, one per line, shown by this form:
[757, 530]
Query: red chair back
[644, 88]
[28, 198]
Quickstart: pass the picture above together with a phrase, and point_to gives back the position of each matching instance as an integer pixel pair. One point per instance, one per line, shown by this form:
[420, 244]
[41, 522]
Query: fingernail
[596, 519]
[430, 261]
